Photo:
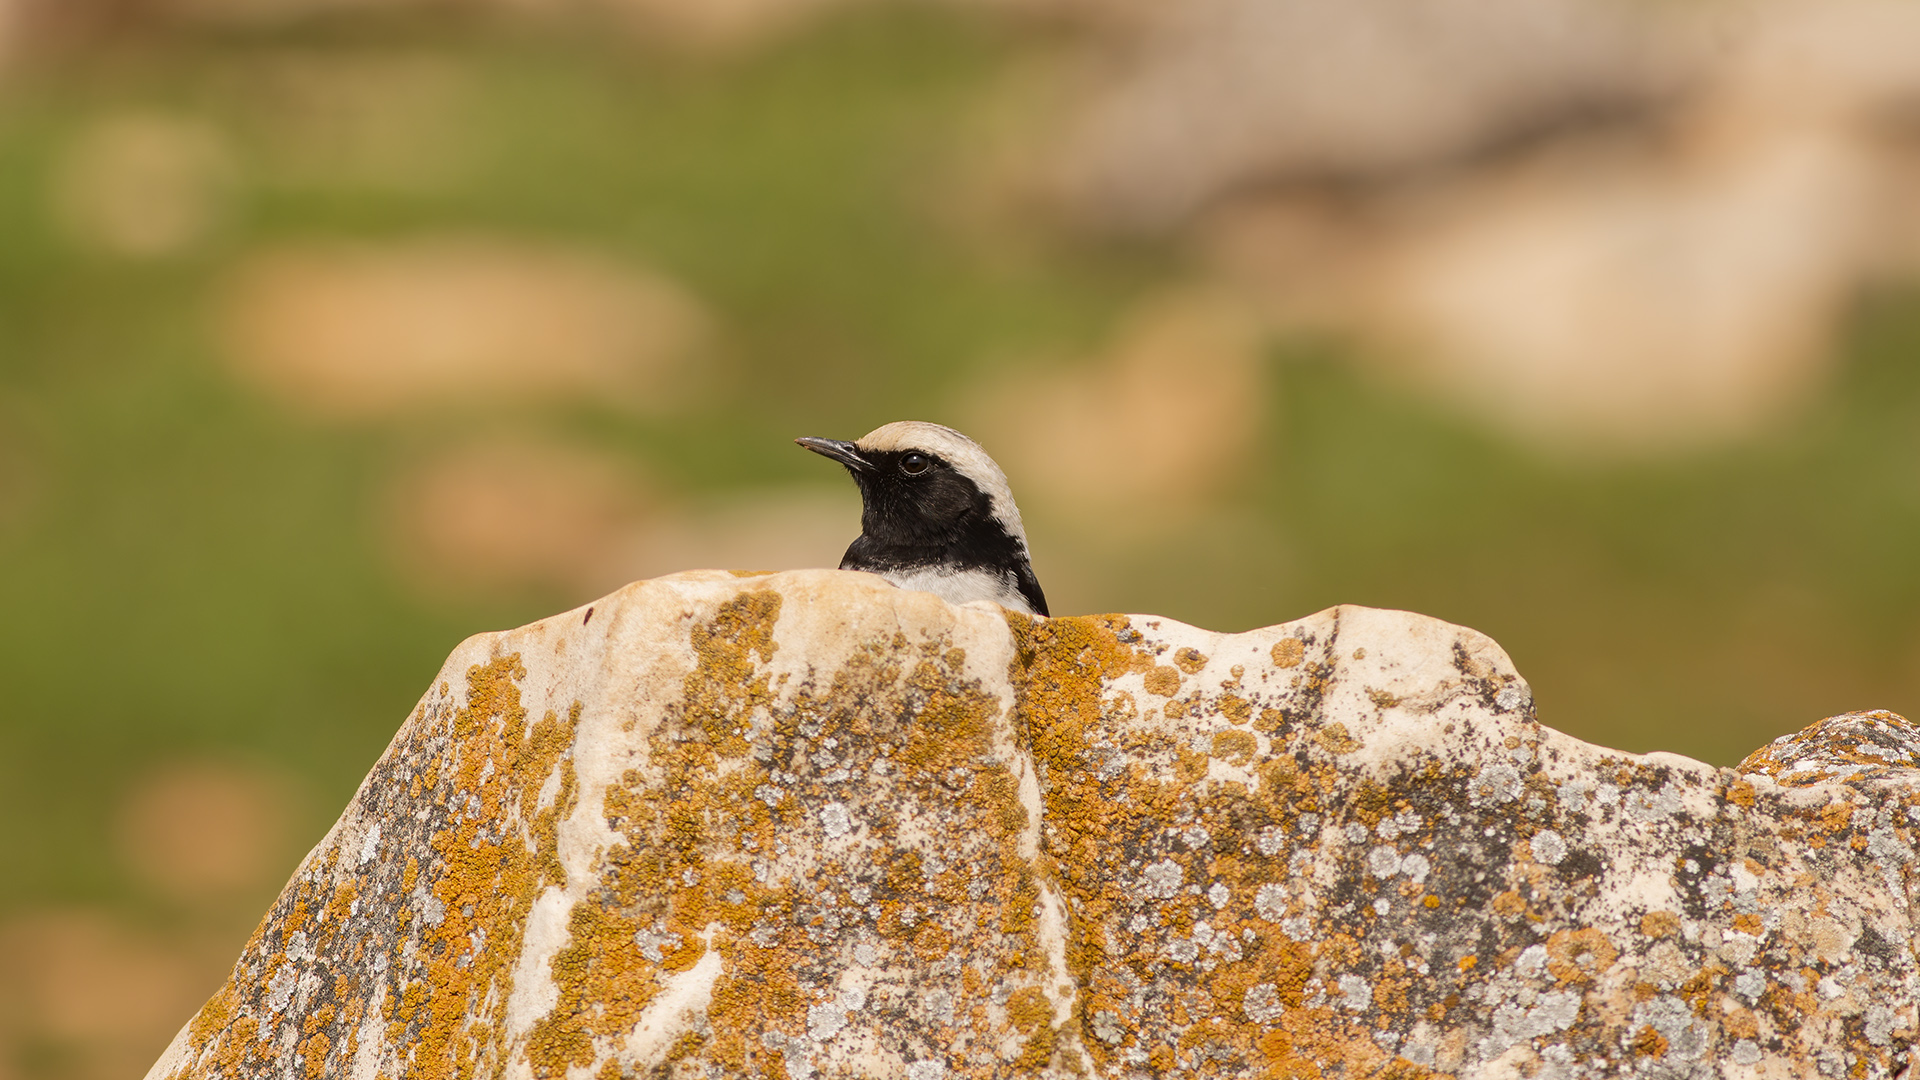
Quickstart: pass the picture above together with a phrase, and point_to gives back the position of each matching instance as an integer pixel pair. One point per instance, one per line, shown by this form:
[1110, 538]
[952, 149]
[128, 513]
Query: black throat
[937, 520]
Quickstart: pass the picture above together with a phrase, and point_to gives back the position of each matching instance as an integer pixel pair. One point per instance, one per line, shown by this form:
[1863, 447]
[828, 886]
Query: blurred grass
[193, 571]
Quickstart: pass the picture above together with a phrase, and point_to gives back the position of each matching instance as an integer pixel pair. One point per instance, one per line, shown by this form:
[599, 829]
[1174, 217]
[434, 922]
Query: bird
[936, 516]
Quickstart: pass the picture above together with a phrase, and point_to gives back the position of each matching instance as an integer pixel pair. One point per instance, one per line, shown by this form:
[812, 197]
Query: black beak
[839, 450]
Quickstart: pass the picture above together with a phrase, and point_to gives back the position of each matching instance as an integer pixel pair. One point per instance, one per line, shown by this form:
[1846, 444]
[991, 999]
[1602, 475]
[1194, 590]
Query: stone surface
[1168, 411]
[808, 825]
[1467, 189]
[1217, 95]
[352, 331]
[1874, 744]
[145, 185]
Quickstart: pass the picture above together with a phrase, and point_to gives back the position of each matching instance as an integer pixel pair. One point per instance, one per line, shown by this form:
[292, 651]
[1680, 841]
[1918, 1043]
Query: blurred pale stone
[10, 17]
[144, 185]
[342, 330]
[721, 24]
[202, 830]
[770, 529]
[812, 825]
[1591, 305]
[100, 994]
[514, 513]
[386, 119]
[1688, 296]
[1791, 63]
[700, 24]
[1217, 95]
[91, 978]
[1168, 412]
[518, 514]
[1431, 181]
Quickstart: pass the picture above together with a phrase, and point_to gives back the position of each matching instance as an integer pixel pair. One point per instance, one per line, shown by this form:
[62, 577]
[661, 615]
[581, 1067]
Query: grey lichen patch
[806, 825]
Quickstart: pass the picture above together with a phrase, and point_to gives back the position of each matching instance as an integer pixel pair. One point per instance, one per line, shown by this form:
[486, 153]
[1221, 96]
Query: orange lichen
[214, 1016]
[1509, 903]
[1334, 739]
[1836, 816]
[1579, 955]
[1649, 1043]
[314, 1049]
[1235, 746]
[1741, 1023]
[1659, 924]
[1236, 709]
[1189, 660]
[1163, 680]
[1032, 1015]
[1702, 988]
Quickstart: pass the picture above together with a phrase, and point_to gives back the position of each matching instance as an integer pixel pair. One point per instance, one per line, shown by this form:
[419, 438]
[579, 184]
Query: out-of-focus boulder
[1602, 227]
[1216, 95]
[1167, 412]
[359, 330]
[1597, 300]
[811, 825]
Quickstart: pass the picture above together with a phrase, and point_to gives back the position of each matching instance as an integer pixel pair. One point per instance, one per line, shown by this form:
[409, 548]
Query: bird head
[923, 483]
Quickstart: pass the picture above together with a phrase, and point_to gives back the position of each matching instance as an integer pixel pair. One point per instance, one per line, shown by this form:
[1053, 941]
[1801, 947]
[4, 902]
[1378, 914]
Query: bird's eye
[915, 463]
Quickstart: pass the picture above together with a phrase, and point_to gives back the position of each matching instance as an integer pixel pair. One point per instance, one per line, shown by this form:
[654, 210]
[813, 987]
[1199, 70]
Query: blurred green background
[331, 333]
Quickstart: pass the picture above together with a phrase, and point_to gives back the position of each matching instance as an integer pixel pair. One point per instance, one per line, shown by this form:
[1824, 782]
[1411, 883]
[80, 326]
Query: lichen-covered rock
[808, 825]
[1873, 744]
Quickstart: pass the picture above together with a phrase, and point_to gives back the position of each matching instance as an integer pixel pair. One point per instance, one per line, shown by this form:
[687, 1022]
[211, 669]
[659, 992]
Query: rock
[200, 831]
[1721, 274]
[99, 989]
[1873, 744]
[355, 331]
[1168, 413]
[1614, 230]
[145, 185]
[809, 825]
[1218, 96]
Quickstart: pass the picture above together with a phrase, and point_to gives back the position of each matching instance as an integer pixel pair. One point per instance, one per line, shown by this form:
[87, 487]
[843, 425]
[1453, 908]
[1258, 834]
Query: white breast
[965, 586]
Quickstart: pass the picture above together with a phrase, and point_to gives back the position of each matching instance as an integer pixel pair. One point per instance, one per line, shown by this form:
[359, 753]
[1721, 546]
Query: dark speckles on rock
[852, 824]
[1871, 943]
[1580, 864]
